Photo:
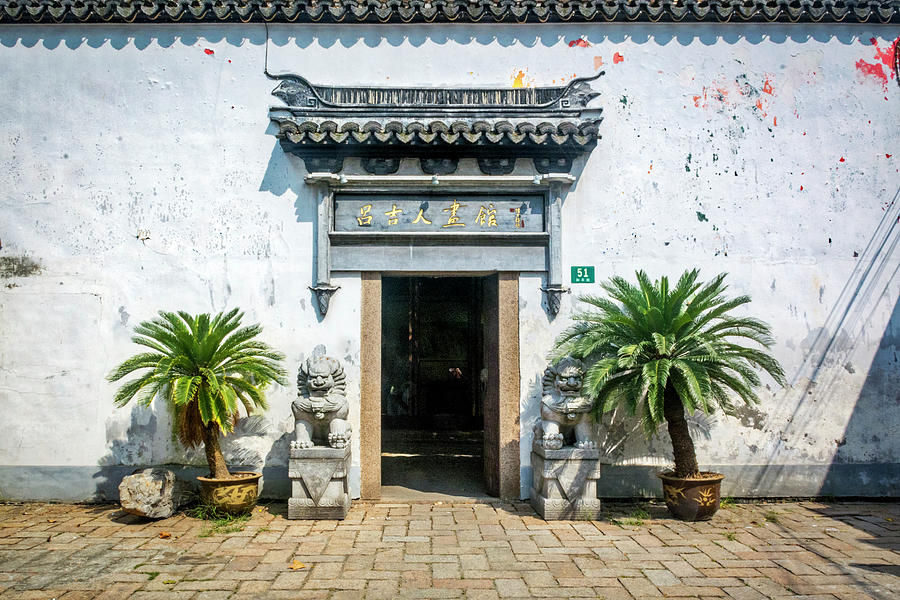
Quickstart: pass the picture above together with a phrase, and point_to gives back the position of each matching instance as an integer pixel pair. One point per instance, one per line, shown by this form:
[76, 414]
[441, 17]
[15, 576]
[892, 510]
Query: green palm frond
[208, 367]
[647, 337]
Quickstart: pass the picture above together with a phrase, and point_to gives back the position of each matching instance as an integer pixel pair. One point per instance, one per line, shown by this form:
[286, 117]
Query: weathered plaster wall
[138, 172]
[139, 175]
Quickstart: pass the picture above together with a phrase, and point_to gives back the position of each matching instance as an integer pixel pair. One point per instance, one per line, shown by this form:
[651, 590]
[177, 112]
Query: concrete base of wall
[85, 484]
[762, 481]
[101, 484]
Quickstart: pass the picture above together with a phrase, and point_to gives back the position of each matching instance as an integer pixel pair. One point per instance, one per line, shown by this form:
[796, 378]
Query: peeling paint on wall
[725, 95]
[18, 266]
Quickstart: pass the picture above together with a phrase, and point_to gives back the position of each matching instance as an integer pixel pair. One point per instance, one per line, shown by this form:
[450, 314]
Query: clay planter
[234, 495]
[692, 499]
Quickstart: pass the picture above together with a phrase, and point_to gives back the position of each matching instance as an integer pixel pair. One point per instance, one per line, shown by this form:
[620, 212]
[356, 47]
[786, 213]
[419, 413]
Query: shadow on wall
[630, 461]
[874, 427]
[249, 448]
[286, 172]
[865, 461]
[141, 36]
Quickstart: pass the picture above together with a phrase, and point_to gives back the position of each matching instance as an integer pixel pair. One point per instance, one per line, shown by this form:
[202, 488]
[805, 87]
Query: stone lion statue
[321, 408]
[565, 415]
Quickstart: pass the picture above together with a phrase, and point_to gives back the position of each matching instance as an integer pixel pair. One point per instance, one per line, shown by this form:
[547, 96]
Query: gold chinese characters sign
[457, 213]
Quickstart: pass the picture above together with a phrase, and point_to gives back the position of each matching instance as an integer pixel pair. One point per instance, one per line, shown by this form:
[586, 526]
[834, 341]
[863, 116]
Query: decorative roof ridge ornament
[305, 97]
[323, 125]
[448, 11]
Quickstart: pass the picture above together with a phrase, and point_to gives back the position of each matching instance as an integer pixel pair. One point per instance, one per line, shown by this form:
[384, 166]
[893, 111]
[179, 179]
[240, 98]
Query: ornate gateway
[523, 140]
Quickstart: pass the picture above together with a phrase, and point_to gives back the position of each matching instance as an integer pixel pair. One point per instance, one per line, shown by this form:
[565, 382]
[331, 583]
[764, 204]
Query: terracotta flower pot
[234, 495]
[692, 499]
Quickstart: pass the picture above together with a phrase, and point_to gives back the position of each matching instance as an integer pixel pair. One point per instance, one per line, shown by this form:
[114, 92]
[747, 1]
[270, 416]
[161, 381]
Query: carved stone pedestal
[565, 483]
[320, 488]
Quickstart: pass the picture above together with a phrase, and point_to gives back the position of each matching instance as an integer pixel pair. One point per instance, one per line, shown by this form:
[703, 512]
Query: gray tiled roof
[575, 134]
[439, 126]
[465, 11]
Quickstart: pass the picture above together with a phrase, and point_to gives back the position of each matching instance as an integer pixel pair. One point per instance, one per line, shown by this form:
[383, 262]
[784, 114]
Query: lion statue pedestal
[319, 473]
[564, 455]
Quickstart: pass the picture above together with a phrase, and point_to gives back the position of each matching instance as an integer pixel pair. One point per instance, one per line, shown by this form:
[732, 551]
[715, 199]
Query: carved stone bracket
[497, 166]
[380, 166]
[546, 164]
[439, 166]
[554, 297]
[332, 163]
[323, 292]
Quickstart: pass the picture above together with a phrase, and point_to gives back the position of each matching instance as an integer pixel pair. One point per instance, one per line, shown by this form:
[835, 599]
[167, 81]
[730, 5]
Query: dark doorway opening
[433, 387]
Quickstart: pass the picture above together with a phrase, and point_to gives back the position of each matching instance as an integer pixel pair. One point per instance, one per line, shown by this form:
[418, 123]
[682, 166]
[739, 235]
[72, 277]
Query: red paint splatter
[617, 58]
[775, 121]
[876, 71]
[229, 60]
[884, 57]
[801, 188]
[888, 155]
[767, 87]
[580, 42]
[208, 51]
[842, 159]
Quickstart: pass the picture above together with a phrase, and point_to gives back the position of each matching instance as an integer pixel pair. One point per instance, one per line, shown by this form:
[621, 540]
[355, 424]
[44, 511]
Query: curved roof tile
[464, 11]
[575, 134]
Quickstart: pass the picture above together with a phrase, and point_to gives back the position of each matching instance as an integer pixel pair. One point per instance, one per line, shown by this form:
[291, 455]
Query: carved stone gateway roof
[465, 11]
[439, 126]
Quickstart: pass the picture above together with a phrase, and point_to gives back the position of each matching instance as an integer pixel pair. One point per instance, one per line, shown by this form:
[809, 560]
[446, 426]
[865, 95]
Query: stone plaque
[447, 213]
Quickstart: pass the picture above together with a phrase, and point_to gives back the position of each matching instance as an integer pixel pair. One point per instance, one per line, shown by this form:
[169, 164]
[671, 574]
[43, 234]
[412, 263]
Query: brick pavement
[846, 551]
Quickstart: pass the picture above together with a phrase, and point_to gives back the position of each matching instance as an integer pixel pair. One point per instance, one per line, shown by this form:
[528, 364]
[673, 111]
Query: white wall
[115, 133]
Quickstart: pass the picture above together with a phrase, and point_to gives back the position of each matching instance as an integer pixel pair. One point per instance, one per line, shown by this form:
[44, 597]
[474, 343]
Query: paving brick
[639, 587]
[511, 588]
[743, 593]
[456, 551]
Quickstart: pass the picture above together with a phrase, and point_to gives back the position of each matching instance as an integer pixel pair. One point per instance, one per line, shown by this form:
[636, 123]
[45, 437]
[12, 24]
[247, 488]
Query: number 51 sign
[582, 274]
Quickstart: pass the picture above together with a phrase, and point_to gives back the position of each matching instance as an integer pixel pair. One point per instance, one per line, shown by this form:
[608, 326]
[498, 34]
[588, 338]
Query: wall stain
[750, 417]
[521, 79]
[18, 266]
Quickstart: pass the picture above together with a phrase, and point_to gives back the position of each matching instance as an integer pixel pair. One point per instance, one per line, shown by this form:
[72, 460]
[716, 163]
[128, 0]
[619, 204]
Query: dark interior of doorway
[432, 387]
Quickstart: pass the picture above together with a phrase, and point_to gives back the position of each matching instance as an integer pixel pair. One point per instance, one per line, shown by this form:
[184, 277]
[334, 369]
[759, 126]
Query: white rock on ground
[153, 493]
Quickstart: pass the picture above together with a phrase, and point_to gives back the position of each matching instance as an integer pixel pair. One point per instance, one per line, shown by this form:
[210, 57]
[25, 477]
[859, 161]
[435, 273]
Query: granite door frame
[502, 324]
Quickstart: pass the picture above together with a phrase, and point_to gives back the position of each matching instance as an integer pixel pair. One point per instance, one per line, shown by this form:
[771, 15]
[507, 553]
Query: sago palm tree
[660, 351]
[205, 367]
